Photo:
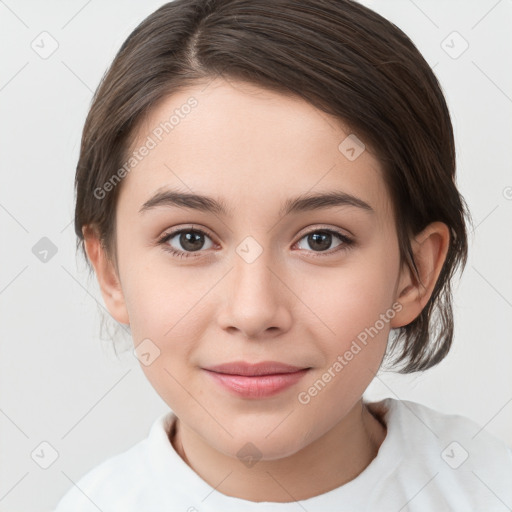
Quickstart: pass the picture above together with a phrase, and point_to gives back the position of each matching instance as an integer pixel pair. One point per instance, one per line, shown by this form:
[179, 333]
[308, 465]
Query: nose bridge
[251, 273]
[253, 303]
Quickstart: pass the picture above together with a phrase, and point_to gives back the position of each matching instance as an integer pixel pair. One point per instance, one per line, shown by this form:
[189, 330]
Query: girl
[266, 193]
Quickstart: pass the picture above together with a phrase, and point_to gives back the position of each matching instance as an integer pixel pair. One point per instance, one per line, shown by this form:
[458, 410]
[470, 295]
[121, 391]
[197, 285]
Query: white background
[62, 384]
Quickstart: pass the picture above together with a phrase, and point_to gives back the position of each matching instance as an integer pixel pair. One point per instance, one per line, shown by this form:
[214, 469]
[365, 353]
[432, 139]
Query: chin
[256, 443]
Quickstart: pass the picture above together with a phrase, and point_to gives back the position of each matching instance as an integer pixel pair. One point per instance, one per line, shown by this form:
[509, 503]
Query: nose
[255, 300]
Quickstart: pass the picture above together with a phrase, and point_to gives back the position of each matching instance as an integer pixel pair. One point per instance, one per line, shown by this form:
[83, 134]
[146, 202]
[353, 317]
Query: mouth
[255, 369]
[258, 380]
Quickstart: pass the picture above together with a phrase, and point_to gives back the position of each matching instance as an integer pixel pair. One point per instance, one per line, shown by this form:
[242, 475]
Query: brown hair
[339, 56]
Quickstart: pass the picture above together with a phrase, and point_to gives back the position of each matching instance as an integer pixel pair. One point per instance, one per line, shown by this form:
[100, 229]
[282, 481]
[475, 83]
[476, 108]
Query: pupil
[322, 240]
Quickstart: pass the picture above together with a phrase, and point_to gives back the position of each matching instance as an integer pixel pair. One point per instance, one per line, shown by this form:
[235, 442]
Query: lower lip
[259, 386]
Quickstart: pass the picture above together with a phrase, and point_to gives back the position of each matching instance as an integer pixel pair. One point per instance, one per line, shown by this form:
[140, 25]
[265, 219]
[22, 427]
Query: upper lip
[253, 369]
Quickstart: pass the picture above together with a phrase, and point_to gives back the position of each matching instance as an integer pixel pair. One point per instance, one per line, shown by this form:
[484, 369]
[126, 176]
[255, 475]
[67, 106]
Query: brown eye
[185, 241]
[321, 240]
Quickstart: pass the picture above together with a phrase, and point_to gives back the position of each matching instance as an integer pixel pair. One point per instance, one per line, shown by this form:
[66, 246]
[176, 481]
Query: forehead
[249, 145]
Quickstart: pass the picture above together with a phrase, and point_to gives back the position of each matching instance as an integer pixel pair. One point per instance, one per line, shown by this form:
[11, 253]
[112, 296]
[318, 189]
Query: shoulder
[120, 482]
[426, 424]
[455, 458]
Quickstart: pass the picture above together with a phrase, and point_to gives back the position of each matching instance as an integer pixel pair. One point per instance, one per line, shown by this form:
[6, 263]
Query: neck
[325, 464]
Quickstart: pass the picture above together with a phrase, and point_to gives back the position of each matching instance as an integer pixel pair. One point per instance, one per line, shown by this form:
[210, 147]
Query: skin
[295, 303]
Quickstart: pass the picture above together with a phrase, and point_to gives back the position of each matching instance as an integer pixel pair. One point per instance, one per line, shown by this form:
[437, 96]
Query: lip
[254, 369]
[259, 380]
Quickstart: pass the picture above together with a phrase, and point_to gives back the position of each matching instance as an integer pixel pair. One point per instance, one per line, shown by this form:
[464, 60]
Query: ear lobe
[430, 248]
[106, 274]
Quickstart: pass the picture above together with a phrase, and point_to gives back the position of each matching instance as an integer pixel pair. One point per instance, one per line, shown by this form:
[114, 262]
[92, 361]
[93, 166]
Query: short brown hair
[339, 56]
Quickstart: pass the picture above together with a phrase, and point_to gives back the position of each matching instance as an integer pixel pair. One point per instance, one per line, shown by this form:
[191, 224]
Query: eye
[184, 241]
[320, 240]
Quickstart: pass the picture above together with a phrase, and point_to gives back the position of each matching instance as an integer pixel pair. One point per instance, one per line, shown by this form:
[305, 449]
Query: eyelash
[346, 244]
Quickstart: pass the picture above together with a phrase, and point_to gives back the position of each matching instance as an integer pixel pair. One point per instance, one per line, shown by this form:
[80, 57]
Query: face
[253, 280]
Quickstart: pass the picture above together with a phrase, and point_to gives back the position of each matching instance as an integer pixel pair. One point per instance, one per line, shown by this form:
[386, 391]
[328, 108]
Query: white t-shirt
[428, 461]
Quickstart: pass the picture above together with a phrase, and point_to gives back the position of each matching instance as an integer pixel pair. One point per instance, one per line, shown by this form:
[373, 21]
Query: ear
[106, 274]
[429, 248]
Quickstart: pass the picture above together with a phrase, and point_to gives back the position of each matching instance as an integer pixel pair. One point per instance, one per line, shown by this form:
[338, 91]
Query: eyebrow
[302, 203]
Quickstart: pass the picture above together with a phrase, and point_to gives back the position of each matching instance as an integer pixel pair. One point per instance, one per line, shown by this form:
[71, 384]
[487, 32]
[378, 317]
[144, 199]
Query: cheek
[355, 304]
[166, 307]
[165, 302]
[357, 309]
[351, 299]
[166, 322]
